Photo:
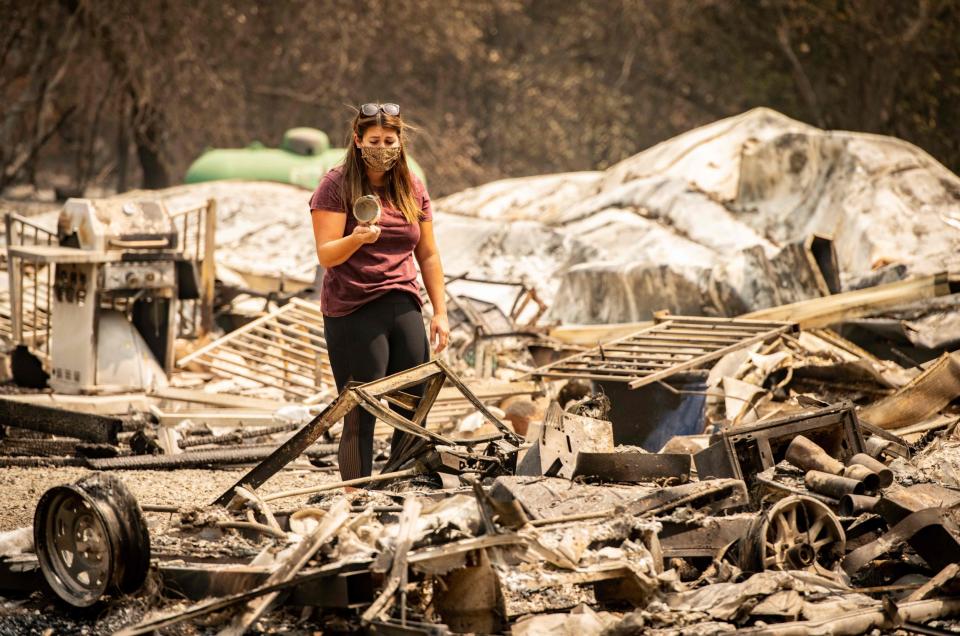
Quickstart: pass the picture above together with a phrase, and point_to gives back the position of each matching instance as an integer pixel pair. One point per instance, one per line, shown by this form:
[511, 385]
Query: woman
[370, 296]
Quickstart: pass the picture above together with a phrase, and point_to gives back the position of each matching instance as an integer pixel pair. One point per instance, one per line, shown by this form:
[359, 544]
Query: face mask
[379, 158]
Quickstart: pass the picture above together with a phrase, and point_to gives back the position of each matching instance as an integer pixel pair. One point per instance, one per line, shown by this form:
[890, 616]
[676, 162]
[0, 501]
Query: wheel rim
[800, 533]
[75, 547]
[91, 538]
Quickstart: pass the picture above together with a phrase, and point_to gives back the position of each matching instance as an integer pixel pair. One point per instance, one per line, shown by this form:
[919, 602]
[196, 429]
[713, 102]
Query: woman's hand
[439, 332]
[366, 233]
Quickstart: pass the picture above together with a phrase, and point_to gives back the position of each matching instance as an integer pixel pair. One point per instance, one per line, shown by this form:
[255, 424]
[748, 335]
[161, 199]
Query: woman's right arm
[333, 248]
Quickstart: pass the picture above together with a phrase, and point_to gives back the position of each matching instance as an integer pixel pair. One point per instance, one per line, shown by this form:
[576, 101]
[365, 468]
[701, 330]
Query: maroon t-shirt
[375, 268]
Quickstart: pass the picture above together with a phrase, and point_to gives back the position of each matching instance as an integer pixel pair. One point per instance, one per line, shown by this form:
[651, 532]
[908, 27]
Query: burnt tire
[91, 539]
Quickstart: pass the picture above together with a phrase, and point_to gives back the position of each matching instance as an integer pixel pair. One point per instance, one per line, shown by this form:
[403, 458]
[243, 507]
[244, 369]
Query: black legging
[383, 337]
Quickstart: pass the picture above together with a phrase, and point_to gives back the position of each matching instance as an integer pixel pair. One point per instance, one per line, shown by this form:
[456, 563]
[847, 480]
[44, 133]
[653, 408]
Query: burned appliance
[744, 451]
[116, 278]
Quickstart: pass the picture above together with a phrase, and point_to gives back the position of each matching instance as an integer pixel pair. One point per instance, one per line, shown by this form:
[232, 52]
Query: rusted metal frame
[656, 336]
[367, 396]
[490, 417]
[208, 266]
[299, 380]
[663, 317]
[294, 389]
[305, 361]
[191, 313]
[469, 312]
[305, 310]
[14, 266]
[529, 294]
[307, 306]
[317, 341]
[261, 358]
[707, 358]
[402, 399]
[711, 332]
[586, 376]
[692, 350]
[48, 309]
[15, 236]
[520, 303]
[404, 379]
[286, 337]
[233, 334]
[634, 355]
[677, 322]
[289, 320]
[680, 341]
[662, 338]
[293, 447]
[296, 315]
[258, 353]
[175, 214]
[428, 400]
[194, 304]
[36, 279]
[263, 342]
[718, 323]
[623, 361]
[625, 373]
[372, 405]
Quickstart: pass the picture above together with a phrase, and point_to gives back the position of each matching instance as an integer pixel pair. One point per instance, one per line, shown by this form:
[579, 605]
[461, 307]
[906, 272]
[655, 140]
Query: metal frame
[196, 236]
[767, 442]
[285, 349]
[367, 396]
[671, 345]
[29, 295]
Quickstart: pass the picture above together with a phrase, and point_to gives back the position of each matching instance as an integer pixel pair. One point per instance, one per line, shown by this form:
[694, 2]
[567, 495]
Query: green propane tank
[302, 159]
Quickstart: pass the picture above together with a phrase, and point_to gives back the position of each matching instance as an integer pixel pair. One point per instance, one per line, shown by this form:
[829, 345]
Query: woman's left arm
[428, 256]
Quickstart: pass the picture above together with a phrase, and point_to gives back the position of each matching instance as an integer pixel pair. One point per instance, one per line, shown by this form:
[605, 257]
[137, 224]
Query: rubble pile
[719, 220]
[791, 468]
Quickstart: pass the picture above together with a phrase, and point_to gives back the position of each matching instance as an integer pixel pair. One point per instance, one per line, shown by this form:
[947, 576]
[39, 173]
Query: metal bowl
[366, 209]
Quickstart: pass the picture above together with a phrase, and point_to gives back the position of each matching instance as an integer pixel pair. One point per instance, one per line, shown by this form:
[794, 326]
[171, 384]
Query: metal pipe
[884, 473]
[832, 485]
[806, 455]
[875, 446]
[869, 479]
[854, 505]
[410, 472]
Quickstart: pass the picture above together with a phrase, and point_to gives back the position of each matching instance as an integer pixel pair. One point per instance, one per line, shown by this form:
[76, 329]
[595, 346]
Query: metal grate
[673, 344]
[196, 234]
[25, 306]
[285, 349]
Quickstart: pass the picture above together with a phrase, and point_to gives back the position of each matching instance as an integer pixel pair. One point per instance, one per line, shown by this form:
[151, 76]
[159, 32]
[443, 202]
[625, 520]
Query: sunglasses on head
[371, 109]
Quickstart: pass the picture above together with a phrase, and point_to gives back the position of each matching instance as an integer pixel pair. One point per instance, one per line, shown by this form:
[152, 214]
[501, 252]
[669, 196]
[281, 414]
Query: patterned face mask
[380, 158]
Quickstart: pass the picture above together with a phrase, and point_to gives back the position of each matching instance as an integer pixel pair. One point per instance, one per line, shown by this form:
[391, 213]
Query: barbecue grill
[118, 273]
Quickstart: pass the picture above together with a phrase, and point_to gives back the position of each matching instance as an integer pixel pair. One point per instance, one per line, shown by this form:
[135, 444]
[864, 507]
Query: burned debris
[793, 469]
[806, 515]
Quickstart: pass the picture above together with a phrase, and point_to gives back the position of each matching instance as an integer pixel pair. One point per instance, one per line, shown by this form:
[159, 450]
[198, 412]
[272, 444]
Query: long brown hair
[399, 181]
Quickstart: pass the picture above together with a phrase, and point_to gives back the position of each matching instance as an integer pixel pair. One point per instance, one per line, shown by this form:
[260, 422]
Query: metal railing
[285, 349]
[196, 231]
[25, 309]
